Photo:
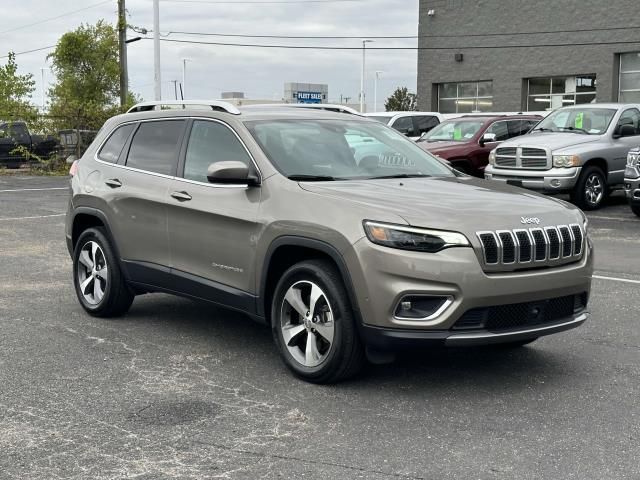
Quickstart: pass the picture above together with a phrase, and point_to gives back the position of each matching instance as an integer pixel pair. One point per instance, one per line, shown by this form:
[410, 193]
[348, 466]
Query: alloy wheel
[307, 323]
[92, 272]
[594, 189]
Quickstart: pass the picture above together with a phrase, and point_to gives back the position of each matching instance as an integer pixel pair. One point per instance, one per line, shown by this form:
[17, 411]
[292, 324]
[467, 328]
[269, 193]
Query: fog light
[555, 183]
[421, 307]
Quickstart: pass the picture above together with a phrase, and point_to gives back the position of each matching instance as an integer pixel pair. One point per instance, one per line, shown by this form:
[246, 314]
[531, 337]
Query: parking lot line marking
[34, 189]
[30, 218]
[618, 219]
[616, 279]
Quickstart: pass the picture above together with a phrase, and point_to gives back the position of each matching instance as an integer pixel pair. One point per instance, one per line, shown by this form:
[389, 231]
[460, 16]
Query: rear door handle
[181, 196]
[113, 183]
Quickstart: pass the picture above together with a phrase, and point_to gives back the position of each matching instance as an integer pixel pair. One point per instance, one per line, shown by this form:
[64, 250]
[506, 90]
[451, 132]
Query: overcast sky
[258, 72]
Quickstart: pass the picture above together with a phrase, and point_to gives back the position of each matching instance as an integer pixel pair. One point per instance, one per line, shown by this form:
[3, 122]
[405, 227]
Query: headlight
[409, 238]
[492, 157]
[563, 161]
[633, 157]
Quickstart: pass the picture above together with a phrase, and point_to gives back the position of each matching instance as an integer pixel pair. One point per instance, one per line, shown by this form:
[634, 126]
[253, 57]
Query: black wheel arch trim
[312, 243]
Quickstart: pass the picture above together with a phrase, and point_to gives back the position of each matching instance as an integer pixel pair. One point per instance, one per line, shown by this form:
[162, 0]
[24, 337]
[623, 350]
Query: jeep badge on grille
[529, 220]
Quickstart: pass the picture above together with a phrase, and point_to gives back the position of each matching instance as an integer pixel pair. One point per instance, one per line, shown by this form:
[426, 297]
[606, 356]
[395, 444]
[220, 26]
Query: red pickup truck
[466, 141]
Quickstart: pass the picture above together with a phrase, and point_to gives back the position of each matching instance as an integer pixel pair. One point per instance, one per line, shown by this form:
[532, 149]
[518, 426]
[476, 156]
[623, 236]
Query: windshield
[587, 121]
[454, 131]
[342, 150]
[381, 119]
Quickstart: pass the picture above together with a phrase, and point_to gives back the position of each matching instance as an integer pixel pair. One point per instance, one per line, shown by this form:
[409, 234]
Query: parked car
[410, 124]
[74, 142]
[14, 135]
[467, 141]
[580, 149]
[266, 211]
[632, 180]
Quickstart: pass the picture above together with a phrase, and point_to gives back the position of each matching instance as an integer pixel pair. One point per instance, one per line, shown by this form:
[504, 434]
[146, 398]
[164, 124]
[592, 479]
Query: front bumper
[383, 276]
[395, 339]
[632, 189]
[548, 181]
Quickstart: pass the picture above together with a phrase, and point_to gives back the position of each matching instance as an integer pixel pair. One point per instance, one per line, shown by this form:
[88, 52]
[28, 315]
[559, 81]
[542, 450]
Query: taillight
[74, 168]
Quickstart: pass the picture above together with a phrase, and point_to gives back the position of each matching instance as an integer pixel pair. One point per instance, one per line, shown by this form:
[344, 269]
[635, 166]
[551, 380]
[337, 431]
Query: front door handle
[181, 196]
[113, 183]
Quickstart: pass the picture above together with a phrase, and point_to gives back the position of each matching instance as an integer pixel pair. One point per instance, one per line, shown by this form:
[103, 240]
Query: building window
[549, 93]
[465, 97]
[629, 77]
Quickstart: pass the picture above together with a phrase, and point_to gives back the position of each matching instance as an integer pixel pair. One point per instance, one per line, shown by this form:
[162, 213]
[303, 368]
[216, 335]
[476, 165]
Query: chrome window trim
[410, 320]
[162, 175]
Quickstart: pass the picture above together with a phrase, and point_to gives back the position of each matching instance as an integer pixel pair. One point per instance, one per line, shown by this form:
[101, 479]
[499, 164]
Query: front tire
[313, 324]
[635, 209]
[99, 283]
[591, 190]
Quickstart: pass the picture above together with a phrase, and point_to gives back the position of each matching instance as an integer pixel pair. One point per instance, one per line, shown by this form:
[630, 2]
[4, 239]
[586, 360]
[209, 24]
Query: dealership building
[519, 55]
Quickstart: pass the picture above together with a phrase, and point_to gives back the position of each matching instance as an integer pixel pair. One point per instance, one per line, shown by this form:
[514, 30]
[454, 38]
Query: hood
[463, 204]
[554, 141]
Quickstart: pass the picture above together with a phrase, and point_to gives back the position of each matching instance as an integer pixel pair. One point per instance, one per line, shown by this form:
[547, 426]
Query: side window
[156, 146]
[500, 129]
[425, 123]
[211, 142]
[630, 117]
[112, 148]
[404, 125]
[19, 133]
[519, 127]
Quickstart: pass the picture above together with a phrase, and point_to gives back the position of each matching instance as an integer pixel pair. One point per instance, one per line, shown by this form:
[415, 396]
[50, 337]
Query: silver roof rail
[217, 105]
[317, 106]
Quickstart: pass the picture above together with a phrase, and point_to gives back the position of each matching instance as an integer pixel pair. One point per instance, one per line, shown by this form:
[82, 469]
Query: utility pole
[122, 41]
[184, 77]
[375, 91]
[157, 90]
[44, 93]
[364, 49]
[175, 88]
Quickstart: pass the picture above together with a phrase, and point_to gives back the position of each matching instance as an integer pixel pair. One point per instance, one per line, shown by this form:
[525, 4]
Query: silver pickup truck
[580, 149]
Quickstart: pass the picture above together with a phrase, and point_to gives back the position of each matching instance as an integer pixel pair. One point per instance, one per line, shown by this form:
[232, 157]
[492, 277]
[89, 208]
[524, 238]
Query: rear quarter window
[112, 148]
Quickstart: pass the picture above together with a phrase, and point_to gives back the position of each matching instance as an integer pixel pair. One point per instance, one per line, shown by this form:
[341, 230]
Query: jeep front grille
[522, 157]
[506, 250]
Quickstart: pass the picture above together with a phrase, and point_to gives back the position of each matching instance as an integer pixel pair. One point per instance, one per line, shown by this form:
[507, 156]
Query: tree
[15, 92]
[401, 100]
[87, 90]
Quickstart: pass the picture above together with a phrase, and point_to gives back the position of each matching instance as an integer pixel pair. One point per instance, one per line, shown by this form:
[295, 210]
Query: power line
[459, 47]
[30, 51]
[56, 17]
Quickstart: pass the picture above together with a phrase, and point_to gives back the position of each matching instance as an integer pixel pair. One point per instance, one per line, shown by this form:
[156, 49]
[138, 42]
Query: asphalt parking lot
[179, 389]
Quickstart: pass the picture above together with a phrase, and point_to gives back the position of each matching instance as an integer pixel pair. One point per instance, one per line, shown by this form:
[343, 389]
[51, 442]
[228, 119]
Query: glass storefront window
[549, 93]
[465, 97]
[629, 77]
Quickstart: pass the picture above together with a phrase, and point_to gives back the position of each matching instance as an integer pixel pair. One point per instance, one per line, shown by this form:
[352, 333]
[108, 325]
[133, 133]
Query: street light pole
[375, 91]
[157, 90]
[364, 49]
[44, 103]
[184, 77]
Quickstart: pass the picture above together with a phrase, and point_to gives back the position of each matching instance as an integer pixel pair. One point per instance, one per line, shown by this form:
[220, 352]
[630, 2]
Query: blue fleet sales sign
[309, 97]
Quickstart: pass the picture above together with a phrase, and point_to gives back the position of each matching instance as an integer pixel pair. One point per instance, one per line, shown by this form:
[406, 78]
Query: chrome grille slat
[531, 158]
[507, 250]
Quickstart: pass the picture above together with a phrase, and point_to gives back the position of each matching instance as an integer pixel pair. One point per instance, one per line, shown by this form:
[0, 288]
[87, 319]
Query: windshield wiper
[400, 175]
[312, 178]
[575, 129]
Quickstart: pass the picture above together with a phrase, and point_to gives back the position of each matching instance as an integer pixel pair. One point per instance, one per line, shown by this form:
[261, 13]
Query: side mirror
[488, 138]
[625, 131]
[422, 137]
[231, 173]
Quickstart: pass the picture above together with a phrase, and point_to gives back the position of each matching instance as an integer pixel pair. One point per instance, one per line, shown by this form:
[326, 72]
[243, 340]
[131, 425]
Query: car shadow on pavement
[433, 371]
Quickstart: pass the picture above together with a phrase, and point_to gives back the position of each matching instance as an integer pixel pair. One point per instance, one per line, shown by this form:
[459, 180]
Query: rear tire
[591, 190]
[313, 324]
[635, 209]
[99, 283]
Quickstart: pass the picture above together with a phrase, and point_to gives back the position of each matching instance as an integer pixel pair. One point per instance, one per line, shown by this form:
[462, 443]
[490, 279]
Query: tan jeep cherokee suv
[336, 231]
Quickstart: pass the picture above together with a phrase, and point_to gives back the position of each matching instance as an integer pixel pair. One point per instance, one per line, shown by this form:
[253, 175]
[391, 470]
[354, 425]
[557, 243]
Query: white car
[411, 124]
